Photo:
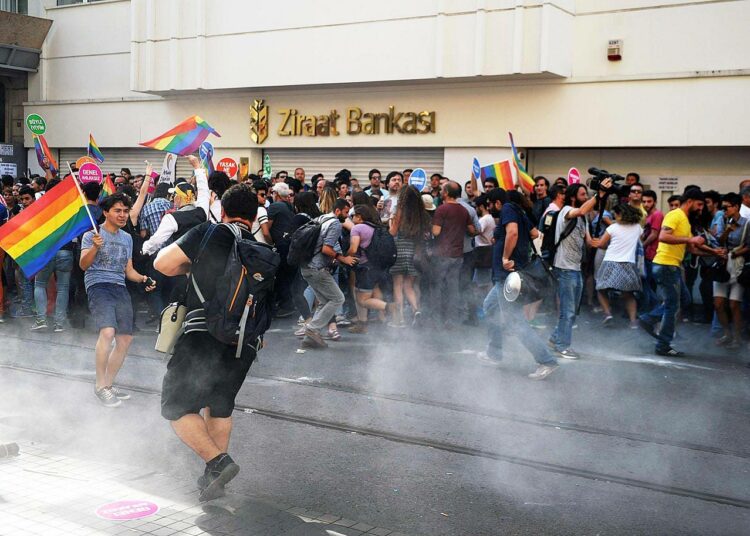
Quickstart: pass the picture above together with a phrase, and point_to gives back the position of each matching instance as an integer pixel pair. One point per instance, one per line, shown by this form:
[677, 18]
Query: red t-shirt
[653, 221]
[453, 220]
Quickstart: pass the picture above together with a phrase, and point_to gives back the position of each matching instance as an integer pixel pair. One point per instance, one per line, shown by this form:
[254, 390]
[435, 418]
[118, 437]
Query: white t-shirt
[744, 211]
[486, 229]
[623, 242]
[260, 220]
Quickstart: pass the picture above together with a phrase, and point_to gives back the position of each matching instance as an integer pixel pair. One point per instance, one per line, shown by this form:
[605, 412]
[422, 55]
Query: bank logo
[259, 121]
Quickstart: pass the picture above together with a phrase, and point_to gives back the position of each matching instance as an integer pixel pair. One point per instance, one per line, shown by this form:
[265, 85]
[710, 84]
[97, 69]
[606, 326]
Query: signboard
[669, 184]
[90, 172]
[83, 160]
[418, 179]
[36, 124]
[126, 510]
[6, 149]
[167, 174]
[267, 166]
[228, 166]
[9, 168]
[574, 176]
[206, 151]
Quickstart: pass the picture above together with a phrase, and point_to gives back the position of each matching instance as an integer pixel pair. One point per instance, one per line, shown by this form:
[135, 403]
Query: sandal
[332, 335]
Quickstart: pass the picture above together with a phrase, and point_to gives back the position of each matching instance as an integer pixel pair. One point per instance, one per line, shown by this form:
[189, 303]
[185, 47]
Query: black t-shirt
[511, 213]
[282, 215]
[299, 220]
[212, 260]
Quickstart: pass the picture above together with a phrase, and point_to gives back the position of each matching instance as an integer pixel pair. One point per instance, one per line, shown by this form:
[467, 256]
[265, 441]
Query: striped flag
[107, 188]
[94, 151]
[184, 139]
[526, 181]
[502, 172]
[34, 236]
[42, 152]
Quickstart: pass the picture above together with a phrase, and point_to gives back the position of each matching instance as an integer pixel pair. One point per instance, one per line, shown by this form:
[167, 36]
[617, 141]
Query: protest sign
[228, 166]
[167, 174]
[418, 179]
[90, 172]
[36, 124]
[83, 160]
[574, 176]
[267, 166]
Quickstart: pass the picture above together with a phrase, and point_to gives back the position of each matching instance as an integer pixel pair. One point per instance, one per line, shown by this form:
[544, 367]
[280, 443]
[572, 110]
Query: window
[71, 2]
[15, 6]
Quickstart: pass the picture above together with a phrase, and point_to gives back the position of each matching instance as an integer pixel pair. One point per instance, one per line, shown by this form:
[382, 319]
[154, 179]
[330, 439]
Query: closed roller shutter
[133, 159]
[358, 161]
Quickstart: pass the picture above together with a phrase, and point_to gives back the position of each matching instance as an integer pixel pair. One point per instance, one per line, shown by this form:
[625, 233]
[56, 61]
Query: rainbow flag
[184, 139]
[526, 181]
[42, 151]
[94, 151]
[34, 236]
[107, 188]
[502, 172]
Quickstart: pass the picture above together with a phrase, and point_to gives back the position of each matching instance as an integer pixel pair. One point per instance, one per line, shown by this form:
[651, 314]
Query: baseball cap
[429, 204]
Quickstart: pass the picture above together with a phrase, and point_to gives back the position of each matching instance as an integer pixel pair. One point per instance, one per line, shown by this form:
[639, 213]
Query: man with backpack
[566, 251]
[318, 271]
[231, 277]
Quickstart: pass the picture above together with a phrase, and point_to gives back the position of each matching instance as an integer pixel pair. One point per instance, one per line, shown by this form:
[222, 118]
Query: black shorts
[203, 373]
[368, 277]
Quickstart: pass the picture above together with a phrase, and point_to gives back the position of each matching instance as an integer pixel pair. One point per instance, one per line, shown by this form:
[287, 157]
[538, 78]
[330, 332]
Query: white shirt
[260, 219]
[744, 211]
[623, 242]
[486, 229]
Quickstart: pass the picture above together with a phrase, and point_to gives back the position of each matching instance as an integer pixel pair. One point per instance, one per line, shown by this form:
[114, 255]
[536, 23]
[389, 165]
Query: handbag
[170, 327]
[742, 270]
[716, 270]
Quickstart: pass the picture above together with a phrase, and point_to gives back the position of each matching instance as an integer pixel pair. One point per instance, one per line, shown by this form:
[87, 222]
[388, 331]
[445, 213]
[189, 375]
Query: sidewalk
[45, 494]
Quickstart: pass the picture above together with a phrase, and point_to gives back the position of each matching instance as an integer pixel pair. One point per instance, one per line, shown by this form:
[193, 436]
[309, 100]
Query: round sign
[476, 170]
[418, 179]
[228, 166]
[206, 151]
[36, 124]
[574, 176]
[90, 172]
[83, 160]
[126, 510]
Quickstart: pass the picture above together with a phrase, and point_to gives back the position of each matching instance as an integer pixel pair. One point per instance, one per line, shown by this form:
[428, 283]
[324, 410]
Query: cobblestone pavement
[46, 494]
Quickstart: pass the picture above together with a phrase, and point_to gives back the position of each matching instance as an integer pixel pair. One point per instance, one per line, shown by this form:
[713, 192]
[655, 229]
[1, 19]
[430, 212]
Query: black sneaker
[121, 395]
[670, 352]
[106, 397]
[59, 328]
[219, 474]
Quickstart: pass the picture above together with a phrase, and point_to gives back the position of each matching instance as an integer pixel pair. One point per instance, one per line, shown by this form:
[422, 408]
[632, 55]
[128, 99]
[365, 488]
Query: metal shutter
[358, 161]
[133, 159]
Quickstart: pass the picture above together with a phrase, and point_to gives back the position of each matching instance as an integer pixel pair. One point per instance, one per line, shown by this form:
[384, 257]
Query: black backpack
[548, 228]
[303, 244]
[382, 249]
[239, 312]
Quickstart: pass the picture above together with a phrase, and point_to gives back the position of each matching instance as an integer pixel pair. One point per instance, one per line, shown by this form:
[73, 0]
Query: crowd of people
[382, 252]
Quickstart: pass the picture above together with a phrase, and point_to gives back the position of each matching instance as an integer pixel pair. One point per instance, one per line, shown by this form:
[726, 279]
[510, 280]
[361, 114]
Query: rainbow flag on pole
[524, 179]
[107, 188]
[34, 236]
[42, 152]
[94, 151]
[502, 172]
[184, 139]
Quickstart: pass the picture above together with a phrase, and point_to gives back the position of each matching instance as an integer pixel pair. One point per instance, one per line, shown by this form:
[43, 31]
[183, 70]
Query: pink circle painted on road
[126, 510]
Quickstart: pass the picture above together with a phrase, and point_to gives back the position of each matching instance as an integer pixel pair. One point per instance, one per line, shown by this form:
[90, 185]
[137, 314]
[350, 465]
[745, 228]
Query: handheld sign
[36, 124]
[90, 172]
[267, 166]
[168, 169]
[574, 176]
[418, 179]
[206, 151]
[228, 166]
[476, 173]
[83, 160]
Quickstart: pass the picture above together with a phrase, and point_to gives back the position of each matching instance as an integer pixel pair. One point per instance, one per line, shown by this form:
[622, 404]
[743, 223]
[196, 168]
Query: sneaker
[39, 324]
[106, 397]
[537, 324]
[567, 354]
[542, 371]
[359, 327]
[332, 335]
[724, 339]
[341, 320]
[670, 352]
[607, 320]
[487, 360]
[417, 320]
[217, 476]
[59, 328]
[313, 340]
[648, 328]
[301, 321]
[121, 395]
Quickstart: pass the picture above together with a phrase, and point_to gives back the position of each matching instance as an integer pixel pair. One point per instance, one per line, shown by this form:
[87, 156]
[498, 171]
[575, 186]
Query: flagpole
[83, 198]
[88, 146]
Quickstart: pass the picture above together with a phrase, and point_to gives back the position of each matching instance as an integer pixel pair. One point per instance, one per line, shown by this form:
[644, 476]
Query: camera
[598, 175]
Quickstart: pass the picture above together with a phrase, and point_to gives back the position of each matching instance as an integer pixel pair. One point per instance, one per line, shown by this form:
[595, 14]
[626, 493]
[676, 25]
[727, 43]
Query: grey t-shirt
[111, 259]
[330, 233]
[570, 251]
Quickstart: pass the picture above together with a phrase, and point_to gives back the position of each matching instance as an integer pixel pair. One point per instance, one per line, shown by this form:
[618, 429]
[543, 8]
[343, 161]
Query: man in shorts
[106, 257]
[204, 374]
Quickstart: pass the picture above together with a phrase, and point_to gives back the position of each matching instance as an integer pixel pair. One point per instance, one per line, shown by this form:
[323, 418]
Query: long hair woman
[618, 269]
[408, 226]
[327, 200]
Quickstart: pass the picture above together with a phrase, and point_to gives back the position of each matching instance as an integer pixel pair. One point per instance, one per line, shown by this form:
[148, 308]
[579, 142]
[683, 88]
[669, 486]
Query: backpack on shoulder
[548, 228]
[304, 242]
[382, 250]
[239, 312]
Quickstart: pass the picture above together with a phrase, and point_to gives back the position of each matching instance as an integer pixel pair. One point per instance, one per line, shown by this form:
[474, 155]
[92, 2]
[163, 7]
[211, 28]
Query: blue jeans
[650, 299]
[61, 266]
[569, 289]
[512, 322]
[26, 290]
[669, 284]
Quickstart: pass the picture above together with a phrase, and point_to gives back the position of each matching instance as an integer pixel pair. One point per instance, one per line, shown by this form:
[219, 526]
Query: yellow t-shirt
[672, 254]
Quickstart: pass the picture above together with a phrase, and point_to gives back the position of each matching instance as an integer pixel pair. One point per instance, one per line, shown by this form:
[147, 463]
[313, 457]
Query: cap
[162, 189]
[282, 189]
[184, 188]
[429, 204]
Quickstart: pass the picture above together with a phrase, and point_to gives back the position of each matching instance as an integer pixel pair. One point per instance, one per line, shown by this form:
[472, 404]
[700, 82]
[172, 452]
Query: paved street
[395, 431]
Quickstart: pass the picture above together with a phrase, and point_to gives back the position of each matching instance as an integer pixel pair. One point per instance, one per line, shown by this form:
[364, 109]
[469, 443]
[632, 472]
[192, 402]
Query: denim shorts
[368, 277]
[110, 306]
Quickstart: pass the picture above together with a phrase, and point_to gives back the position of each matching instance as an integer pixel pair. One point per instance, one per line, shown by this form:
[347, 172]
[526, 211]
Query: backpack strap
[201, 249]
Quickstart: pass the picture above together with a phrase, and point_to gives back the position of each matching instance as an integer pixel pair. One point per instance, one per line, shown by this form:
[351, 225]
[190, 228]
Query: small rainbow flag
[42, 152]
[94, 151]
[502, 172]
[107, 188]
[526, 181]
[184, 139]
[34, 236]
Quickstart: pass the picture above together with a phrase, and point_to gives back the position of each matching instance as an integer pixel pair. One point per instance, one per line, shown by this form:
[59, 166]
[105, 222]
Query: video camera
[598, 175]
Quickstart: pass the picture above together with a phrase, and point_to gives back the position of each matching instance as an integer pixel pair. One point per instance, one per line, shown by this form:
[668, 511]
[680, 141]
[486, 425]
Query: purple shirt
[364, 232]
